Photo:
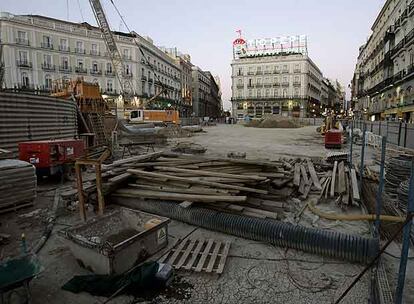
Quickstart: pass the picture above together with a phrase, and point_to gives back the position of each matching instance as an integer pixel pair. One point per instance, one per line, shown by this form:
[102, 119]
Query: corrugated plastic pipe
[323, 242]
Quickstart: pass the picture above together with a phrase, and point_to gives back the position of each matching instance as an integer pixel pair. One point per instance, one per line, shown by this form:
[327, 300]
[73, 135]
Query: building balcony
[297, 71]
[24, 64]
[276, 84]
[48, 66]
[240, 86]
[81, 70]
[110, 73]
[268, 72]
[410, 69]
[95, 72]
[267, 85]
[411, 9]
[151, 80]
[25, 86]
[46, 45]
[409, 36]
[22, 41]
[250, 73]
[64, 48]
[297, 83]
[276, 72]
[285, 84]
[259, 85]
[65, 69]
[285, 72]
[127, 75]
[259, 72]
[95, 53]
[144, 78]
[127, 57]
[80, 51]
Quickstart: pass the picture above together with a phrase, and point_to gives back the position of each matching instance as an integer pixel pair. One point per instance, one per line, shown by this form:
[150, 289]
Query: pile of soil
[272, 122]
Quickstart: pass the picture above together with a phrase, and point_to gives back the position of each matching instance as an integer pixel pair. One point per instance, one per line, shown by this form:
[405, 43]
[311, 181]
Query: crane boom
[127, 89]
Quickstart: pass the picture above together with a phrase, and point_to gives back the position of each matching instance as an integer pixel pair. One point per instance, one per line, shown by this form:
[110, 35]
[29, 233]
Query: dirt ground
[254, 273]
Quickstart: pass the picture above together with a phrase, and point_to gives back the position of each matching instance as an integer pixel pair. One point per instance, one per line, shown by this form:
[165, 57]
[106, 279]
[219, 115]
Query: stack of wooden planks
[306, 179]
[17, 184]
[341, 183]
[249, 187]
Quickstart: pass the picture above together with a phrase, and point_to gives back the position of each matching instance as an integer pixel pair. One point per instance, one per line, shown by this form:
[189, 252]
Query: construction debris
[17, 184]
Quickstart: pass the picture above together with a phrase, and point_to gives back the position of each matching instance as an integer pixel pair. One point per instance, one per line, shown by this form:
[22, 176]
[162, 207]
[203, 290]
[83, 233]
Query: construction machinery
[51, 157]
[154, 116]
[90, 105]
[332, 131]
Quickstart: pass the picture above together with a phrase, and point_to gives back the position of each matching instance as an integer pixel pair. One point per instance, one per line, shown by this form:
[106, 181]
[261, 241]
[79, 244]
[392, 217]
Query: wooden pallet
[198, 255]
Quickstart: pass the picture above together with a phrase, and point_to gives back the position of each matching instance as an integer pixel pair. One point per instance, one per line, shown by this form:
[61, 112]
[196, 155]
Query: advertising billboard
[269, 46]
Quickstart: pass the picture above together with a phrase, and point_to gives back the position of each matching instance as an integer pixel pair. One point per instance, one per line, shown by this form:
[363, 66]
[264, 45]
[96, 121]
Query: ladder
[96, 125]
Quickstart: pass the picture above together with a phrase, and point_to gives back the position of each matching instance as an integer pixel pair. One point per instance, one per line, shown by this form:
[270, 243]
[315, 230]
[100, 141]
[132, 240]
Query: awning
[390, 111]
[407, 109]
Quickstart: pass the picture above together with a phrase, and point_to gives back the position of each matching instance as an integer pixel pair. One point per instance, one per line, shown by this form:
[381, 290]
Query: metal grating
[25, 117]
[384, 291]
[198, 255]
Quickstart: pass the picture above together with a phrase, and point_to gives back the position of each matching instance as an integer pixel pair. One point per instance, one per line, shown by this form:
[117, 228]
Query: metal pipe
[361, 173]
[380, 187]
[406, 241]
[352, 143]
[334, 244]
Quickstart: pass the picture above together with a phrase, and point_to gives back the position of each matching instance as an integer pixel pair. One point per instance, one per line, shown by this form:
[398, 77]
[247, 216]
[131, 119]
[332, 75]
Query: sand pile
[275, 122]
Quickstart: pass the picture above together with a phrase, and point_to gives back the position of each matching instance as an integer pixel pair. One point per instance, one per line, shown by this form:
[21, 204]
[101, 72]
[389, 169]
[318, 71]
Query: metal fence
[397, 133]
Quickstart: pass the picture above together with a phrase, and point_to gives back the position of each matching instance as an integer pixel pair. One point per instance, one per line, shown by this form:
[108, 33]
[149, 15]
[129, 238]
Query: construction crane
[116, 58]
[127, 89]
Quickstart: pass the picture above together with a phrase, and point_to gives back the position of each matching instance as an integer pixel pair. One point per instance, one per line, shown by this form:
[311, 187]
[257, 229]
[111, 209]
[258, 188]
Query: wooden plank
[223, 255]
[213, 256]
[304, 174]
[119, 178]
[296, 176]
[313, 175]
[204, 256]
[192, 190]
[186, 254]
[186, 204]
[354, 184]
[332, 192]
[190, 181]
[211, 173]
[328, 185]
[195, 253]
[179, 196]
[341, 177]
[306, 191]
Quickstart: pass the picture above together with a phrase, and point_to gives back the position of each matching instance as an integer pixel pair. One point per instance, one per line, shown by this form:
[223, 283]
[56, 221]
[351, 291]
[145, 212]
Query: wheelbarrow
[18, 272]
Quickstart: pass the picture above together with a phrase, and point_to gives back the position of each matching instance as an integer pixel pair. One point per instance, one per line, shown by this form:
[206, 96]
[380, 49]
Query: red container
[48, 156]
[333, 139]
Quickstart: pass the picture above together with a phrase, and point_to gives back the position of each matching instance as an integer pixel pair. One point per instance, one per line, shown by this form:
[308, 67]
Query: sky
[206, 29]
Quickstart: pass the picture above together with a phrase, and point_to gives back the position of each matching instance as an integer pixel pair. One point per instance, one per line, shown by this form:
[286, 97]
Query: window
[297, 67]
[94, 66]
[21, 35]
[267, 80]
[109, 67]
[23, 56]
[64, 45]
[80, 63]
[25, 79]
[296, 79]
[296, 92]
[94, 49]
[259, 81]
[285, 68]
[109, 86]
[240, 72]
[47, 42]
[239, 82]
[126, 54]
[65, 63]
[250, 82]
[276, 93]
[79, 47]
[48, 82]
[250, 93]
[47, 60]
[267, 92]
[284, 93]
[259, 93]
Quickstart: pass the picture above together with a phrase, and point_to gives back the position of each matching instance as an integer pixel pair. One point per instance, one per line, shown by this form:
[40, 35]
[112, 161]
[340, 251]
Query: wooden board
[304, 174]
[341, 178]
[198, 255]
[332, 193]
[296, 176]
[313, 175]
[354, 186]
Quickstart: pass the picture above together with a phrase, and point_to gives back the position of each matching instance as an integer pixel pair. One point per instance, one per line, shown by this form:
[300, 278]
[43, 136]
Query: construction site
[130, 200]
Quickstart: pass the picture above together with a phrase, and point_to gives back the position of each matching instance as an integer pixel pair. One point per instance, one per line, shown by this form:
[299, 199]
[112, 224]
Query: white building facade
[38, 50]
[279, 84]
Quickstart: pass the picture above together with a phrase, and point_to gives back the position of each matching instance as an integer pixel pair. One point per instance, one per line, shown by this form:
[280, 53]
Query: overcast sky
[206, 29]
